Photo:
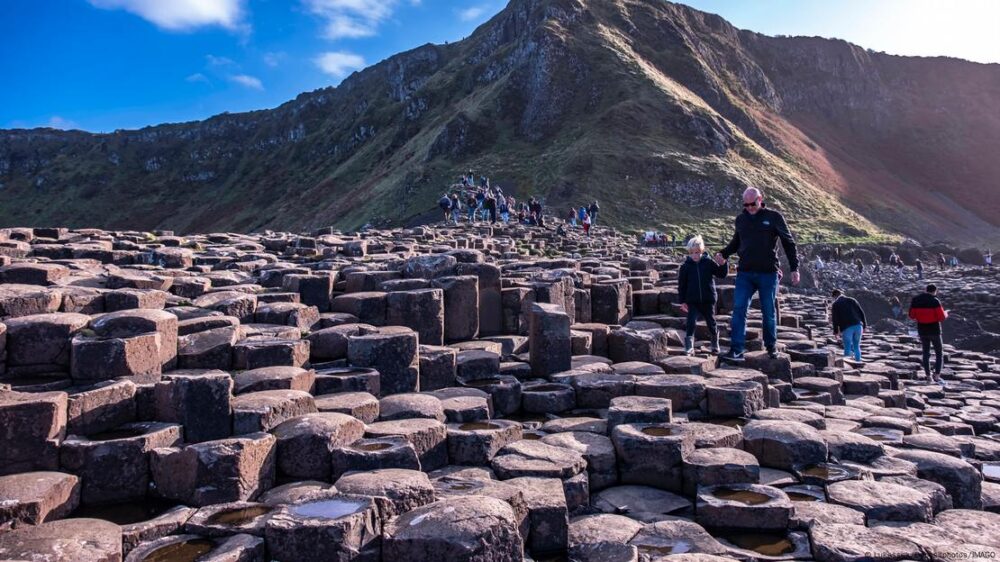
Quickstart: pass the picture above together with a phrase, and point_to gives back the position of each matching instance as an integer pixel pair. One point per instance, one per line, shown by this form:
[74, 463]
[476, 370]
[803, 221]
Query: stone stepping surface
[463, 393]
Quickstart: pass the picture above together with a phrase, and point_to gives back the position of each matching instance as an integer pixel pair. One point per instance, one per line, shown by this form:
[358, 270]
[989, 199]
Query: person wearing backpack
[696, 291]
[445, 204]
[593, 210]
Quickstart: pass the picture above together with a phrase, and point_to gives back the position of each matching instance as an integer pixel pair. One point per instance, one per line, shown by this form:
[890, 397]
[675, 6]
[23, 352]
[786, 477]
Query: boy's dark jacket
[696, 280]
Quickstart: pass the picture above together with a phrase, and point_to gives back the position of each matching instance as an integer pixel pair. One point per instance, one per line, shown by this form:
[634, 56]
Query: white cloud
[197, 77]
[273, 59]
[219, 61]
[181, 15]
[57, 122]
[249, 81]
[339, 63]
[352, 18]
[471, 13]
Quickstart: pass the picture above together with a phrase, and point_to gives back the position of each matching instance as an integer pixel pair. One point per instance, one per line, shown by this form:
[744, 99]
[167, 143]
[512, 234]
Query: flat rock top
[64, 540]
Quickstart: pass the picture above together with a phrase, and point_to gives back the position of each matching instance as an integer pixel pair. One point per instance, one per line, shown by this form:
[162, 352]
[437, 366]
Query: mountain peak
[664, 111]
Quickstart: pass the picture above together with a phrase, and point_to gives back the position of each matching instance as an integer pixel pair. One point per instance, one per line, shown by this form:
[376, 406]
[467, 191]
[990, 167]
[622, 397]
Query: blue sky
[101, 65]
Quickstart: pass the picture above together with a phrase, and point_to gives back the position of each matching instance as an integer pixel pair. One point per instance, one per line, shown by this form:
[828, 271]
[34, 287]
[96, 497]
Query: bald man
[758, 231]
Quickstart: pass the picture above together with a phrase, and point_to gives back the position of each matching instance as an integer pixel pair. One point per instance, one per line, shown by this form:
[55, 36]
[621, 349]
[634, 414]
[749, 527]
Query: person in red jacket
[927, 312]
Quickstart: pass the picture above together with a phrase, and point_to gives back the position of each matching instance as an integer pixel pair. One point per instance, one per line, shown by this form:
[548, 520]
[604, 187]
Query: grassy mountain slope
[663, 113]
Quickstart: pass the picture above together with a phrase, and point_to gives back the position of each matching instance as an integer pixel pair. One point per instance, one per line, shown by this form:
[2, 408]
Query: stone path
[471, 393]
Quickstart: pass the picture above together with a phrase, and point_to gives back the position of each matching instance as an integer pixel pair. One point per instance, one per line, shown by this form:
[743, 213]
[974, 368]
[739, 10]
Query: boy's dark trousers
[706, 311]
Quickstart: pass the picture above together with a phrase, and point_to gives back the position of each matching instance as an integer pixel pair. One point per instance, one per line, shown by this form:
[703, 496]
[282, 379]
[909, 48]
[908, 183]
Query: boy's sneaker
[772, 353]
[733, 356]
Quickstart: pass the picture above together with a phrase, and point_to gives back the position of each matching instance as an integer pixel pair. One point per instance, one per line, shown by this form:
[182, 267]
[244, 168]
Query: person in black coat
[696, 290]
[848, 319]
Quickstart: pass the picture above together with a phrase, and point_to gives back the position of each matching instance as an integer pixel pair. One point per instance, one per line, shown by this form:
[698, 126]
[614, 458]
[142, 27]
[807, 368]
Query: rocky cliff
[662, 112]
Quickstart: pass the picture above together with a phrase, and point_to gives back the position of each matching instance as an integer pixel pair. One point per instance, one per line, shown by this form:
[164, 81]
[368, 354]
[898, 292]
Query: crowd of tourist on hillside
[482, 202]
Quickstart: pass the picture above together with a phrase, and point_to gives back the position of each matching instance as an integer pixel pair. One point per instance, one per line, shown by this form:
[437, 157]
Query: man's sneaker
[773, 354]
[735, 356]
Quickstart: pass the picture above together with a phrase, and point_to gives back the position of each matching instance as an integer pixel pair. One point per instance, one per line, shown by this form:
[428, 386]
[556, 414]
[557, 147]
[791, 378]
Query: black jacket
[696, 280]
[756, 241]
[846, 312]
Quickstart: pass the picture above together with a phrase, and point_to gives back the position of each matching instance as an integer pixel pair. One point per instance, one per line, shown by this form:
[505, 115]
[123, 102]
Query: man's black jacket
[696, 280]
[846, 312]
[756, 242]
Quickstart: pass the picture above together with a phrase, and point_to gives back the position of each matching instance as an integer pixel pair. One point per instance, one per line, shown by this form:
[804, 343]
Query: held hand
[796, 278]
[719, 259]
[684, 308]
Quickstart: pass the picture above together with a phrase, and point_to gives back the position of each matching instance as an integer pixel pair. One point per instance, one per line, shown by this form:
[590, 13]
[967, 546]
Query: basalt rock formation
[663, 112]
[469, 393]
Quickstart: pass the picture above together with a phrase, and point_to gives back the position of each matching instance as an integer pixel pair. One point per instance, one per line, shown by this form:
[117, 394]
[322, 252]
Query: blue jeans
[852, 341]
[748, 283]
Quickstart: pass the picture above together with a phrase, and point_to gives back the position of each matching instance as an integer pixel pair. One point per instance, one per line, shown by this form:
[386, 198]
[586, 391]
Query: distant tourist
[927, 312]
[504, 208]
[586, 223]
[490, 206]
[819, 263]
[571, 217]
[470, 204]
[848, 320]
[860, 265]
[897, 308]
[954, 261]
[988, 258]
[593, 210]
[456, 207]
[941, 261]
[920, 268]
[758, 231]
[696, 290]
[445, 204]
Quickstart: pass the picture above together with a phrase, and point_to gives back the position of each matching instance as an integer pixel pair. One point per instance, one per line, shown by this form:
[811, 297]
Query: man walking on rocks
[758, 231]
[928, 313]
[849, 321]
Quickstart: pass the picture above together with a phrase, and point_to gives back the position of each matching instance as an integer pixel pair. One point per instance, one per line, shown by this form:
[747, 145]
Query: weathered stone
[305, 443]
[34, 425]
[68, 539]
[226, 470]
[32, 498]
[393, 353]
[467, 529]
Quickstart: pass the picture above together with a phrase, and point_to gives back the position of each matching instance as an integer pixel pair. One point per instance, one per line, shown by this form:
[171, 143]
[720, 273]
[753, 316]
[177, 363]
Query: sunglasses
[754, 204]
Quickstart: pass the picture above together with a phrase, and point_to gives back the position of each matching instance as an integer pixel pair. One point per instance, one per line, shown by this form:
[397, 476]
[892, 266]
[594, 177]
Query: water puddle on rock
[991, 471]
[479, 383]
[373, 446]
[126, 513]
[116, 434]
[546, 388]
[658, 550]
[238, 517]
[802, 497]
[767, 544]
[480, 426]
[658, 431]
[748, 497]
[826, 472]
[186, 551]
[334, 508]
